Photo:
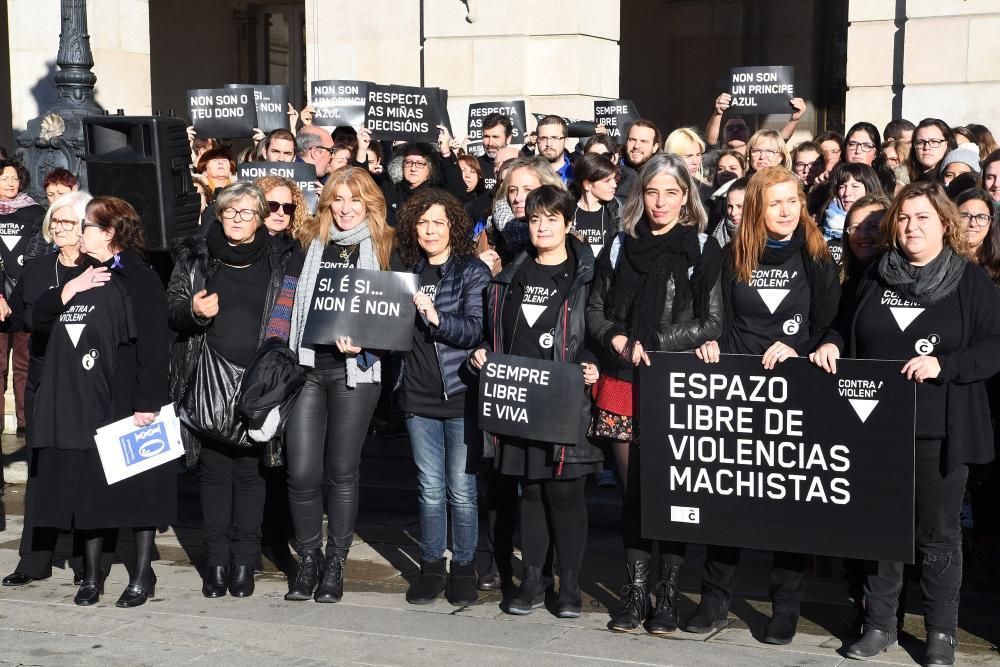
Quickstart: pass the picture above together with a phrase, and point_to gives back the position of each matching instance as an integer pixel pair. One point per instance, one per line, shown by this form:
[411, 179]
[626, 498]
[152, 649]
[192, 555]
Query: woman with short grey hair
[220, 295]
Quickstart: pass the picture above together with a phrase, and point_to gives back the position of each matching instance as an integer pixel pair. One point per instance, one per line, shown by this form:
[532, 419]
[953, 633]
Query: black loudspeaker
[144, 160]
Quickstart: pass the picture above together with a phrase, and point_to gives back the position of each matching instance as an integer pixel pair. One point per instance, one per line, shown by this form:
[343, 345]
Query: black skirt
[70, 491]
[536, 460]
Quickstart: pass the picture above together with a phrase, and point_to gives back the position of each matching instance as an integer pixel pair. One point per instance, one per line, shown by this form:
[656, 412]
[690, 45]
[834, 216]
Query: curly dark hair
[121, 217]
[459, 225]
[23, 177]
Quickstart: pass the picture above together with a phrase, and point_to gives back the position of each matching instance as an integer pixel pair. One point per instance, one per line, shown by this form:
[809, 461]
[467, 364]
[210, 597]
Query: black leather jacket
[675, 334]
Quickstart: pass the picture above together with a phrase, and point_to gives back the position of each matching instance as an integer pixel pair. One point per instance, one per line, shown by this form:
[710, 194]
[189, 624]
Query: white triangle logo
[597, 247]
[773, 297]
[10, 241]
[905, 316]
[863, 406]
[532, 311]
[74, 331]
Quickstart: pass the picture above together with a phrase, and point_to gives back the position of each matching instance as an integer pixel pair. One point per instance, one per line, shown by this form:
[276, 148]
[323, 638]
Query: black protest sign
[224, 113]
[272, 105]
[403, 113]
[616, 115]
[374, 308]
[339, 102]
[478, 111]
[765, 89]
[302, 173]
[575, 127]
[794, 459]
[530, 398]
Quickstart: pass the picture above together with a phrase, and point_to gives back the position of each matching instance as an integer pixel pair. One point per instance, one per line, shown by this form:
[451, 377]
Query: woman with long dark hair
[863, 144]
[656, 288]
[598, 212]
[850, 181]
[776, 242]
[932, 140]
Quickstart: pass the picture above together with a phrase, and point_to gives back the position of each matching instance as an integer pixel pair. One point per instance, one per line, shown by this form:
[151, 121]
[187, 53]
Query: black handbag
[208, 407]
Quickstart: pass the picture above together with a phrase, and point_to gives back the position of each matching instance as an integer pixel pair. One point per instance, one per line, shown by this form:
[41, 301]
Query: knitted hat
[969, 156]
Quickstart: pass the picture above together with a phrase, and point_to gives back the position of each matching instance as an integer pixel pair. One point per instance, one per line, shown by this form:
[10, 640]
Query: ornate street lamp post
[55, 139]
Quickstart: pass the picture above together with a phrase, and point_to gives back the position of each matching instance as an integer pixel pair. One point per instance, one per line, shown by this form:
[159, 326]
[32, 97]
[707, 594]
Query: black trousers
[498, 499]
[938, 497]
[787, 581]
[232, 503]
[638, 547]
[553, 508]
[325, 435]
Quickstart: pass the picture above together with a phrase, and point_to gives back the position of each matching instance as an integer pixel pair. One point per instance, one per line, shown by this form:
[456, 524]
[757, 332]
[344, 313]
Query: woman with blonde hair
[777, 244]
[767, 148]
[328, 424]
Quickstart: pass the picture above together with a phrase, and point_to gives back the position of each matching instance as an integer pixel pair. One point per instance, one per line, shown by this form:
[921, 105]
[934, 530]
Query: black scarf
[648, 263]
[925, 284]
[243, 254]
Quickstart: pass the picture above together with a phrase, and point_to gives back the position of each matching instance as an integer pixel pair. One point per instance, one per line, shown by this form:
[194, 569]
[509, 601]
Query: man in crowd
[279, 146]
[315, 147]
[497, 132]
[550, 136]
[642, 143]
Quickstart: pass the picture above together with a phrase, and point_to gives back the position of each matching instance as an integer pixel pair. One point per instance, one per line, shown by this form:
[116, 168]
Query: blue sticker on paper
[144, 443]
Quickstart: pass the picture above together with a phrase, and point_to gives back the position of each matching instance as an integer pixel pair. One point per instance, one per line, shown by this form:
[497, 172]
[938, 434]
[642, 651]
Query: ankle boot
[872, 642]
[570, 602]
[463, 584]
[781, 628]
[940, 649]
[430, 584]
[214, 583]
[664, 617]
[306, 577]
[241, 582]
[331, 586]
[711, 614]
[635, 599]
[531, 595]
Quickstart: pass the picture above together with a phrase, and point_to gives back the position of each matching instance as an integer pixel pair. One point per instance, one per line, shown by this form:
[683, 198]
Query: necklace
[56, 267]
[346, 253]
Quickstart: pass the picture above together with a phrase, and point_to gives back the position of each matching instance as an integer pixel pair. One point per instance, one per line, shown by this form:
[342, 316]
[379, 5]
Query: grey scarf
[925, 284]
[361, 236]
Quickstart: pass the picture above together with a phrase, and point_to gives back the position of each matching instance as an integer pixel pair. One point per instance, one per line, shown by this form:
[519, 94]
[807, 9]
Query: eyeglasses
[414, 164]
[977, 219]
[550, 140]
[802, 165]
[65, 225]
[230, 213]
[329, 149]
[864, 147]
[287, 209]
[769, 152]
[928, 143]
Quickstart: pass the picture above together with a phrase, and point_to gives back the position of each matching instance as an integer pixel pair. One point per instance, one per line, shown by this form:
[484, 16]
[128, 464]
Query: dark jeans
[232, 503]
[553, 508]
[638, 547]
[324, 437]
[786, 578]
[939, 545]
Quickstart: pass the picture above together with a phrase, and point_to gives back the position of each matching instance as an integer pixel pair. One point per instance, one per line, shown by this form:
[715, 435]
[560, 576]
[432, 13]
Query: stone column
[871, 58]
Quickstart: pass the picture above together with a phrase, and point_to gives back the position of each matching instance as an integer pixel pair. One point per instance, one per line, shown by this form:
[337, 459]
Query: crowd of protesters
[649, 245]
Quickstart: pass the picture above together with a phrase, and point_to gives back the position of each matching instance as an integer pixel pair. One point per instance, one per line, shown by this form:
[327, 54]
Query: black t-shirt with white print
[531, 312]
[335, 257]
[773, 306]
[594, 228]
[890, 327]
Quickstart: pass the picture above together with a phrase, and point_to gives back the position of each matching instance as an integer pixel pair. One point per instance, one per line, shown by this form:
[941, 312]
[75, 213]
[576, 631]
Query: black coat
[449, 178]
[977, 359]
[193, 266]
[569, 344]
[31, 244]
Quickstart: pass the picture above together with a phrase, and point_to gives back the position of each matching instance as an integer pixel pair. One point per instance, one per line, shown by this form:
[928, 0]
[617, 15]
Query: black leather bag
[208, 407]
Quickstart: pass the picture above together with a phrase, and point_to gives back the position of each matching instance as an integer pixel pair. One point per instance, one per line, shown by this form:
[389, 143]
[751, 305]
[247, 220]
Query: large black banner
[223, 113]
[272, 105]
[765, 89]
[617, 116]
[303, 173]
[405, 113]
[478, 111]
[793, 459]
[530, 398]
[374, 308]
[339, 103]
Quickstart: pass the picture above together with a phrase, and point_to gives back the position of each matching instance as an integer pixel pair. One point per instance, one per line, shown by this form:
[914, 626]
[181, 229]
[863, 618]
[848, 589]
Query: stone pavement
[374, 625]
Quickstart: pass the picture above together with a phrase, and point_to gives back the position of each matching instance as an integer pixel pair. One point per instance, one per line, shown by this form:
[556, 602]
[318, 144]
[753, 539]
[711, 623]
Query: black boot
[463, 584]
[241, 582]
[872, 643]
[664, 617]
[711, 614]
[92, 586]
[214, 583]
[331, 586]
[430, 584]
[635, 595]
[570, 602]
[940, 649]
[781, 628]
[306, 576]
[531, 595]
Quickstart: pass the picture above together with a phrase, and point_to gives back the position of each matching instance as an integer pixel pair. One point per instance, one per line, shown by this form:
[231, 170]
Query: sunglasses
[288, 209]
